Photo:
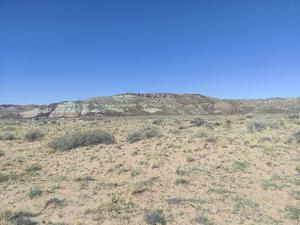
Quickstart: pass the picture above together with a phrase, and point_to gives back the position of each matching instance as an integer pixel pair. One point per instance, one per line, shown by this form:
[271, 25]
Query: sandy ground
[220, 173]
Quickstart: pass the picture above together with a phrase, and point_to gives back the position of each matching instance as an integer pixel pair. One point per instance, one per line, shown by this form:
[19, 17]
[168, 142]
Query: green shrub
[7, 177]
[4, 177]
[293, 213]
[293, 116]
[17, 218]
[35, 192]
[256, 126]
[154, 217]
[181, 181]
[145, 133]
[8, 137]
[33, 135]
[33, 167]
[201, 219]
[259, 126]
[55, 202]
[134, 136]
[157, 121]
[181, 201]
[83, 138]
[116, 205]
[295, 137]
[198, 122]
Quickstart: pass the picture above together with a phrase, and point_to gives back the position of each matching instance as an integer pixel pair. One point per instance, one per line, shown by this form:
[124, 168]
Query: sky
[56, 50]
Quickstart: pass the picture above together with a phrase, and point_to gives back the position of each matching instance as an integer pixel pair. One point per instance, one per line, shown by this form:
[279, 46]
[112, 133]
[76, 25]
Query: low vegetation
[260, 126]
[33, 135]
[33, 168]
[16, 218]
[295, 137]
[201, 219]
[8, 137]
[34, 192]
[196, 173]
[83, 138]
[293, 213]
[145, 133]
[155, 217]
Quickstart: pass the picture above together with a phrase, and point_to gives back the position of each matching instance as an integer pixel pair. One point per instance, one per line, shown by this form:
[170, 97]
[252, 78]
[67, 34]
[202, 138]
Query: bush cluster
[83, 138]
[259, 126]
[8, 137]
[33, 135]
[295, 137]
[154, 217]
[145, 133]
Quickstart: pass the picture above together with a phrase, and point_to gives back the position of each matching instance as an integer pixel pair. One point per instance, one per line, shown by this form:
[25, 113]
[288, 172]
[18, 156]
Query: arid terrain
[152, 104]
[210, 169]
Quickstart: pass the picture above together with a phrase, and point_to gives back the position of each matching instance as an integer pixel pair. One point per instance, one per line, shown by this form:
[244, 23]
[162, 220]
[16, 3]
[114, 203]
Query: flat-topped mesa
[150, 95]
[162, 95]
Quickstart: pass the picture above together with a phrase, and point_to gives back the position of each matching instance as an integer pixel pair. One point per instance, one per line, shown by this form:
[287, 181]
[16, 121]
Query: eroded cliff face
[138, 104]
[67, 109]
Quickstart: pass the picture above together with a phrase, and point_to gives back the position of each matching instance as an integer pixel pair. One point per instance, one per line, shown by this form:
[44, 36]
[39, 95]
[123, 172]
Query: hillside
[138, 104]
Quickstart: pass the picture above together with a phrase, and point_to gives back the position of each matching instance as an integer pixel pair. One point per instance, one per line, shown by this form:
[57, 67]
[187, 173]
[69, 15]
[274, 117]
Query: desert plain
[218, 170]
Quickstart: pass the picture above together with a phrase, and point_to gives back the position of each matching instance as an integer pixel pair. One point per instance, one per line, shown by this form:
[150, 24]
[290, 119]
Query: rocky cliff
[137, 104]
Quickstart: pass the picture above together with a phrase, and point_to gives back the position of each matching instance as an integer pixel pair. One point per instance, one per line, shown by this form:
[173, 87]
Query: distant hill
[139, 104]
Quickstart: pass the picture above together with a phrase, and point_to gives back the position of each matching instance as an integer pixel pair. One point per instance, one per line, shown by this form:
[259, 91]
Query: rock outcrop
[35, 112]
[67, 109]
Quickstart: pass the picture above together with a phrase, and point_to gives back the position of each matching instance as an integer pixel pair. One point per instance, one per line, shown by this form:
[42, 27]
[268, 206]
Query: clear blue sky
[54, 50]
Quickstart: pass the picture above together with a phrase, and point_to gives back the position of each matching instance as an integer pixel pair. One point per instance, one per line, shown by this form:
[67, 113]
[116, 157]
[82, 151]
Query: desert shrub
[24, 221]
[145, 133]
[134, 136]
[4, 177]
[151, 132]
[35, 192]
[181, 181]
[227, 123]
[274, 182]
[84, 179]
[295, 195]
[2, 153]
[33, 168]
[50, 223]
[295, 137]
[201, 219]
[7, 177]
[182, 171]
[116, 204]
[293, 213]
[8, 136]
[154, 217]
[198, 122]
[250, 115]
[293, 116]
[157, 121]
[181, 201]
[33, 135]
[84, 138]
[257, 126]
[212, 139]
[9, 128]
[17, 218]
[55, 202]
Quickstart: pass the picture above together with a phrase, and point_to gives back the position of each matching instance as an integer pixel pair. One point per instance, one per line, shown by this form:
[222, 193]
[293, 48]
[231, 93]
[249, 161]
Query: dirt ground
[227, 170]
